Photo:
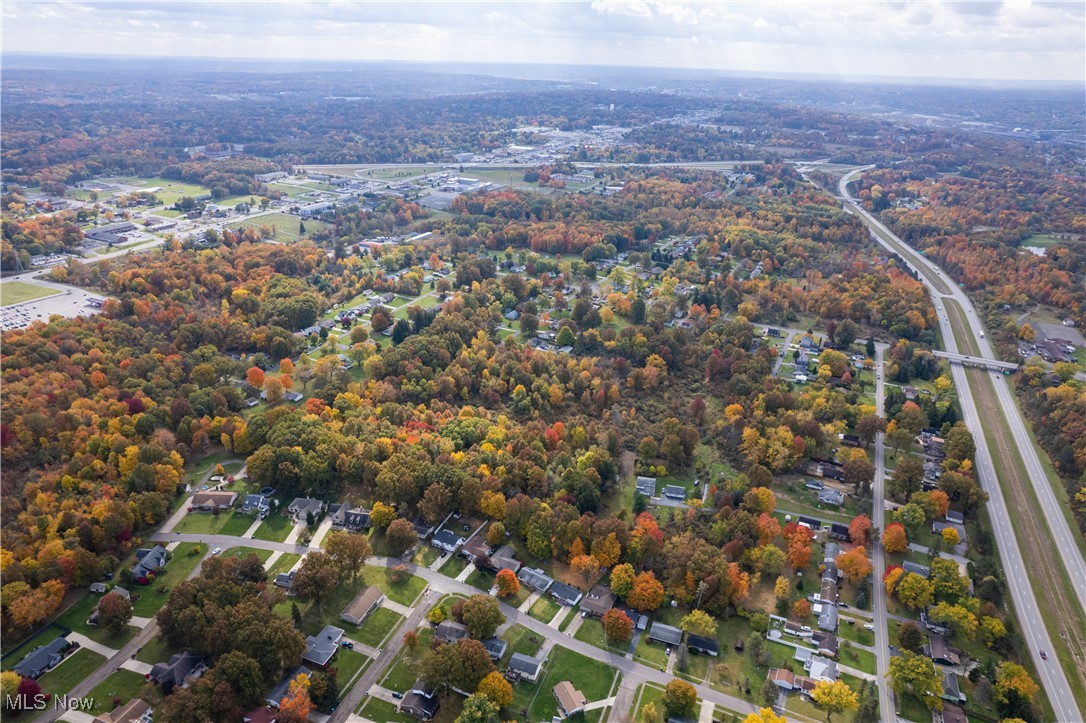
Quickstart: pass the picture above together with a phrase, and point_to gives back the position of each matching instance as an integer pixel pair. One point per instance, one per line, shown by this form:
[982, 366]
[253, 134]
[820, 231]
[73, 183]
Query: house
[134, 711]
[256, 504]
[320, 648]
[831, 497]
[449, 631]
[566, 594]
[826, 642]
[178, 671]
[666, 634]
[914, 567]
[261, 714]
[570, 700]
[827, 617]
[675, 492]
[952, 692]
[600, 599]
[93, 619]
[423, 529]
[512, 315]
[351, 519]
[475, 548]
[911, 393]
[702, 646]
[797, 630]
[829, 554]
[148, 563]
[421, 701]
[447, 540]
[535, 579]
[280, 691]
[504, 558]
[646, 486]
[955, 518]
[788, 681]
[813, 484]
[850, 440]
[524, 667]
[99, 587]
[496, 647]
[820, 668]
[837, 530]
[365, 602]
[931, 625]
[304, 507]
[285, 580]
[42, 658]
[809, 522]
[939, 650]
[953, 714]
[213, 500]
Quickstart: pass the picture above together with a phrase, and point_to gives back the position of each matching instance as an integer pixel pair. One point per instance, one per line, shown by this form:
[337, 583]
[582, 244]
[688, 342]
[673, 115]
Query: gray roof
[915, 567]
[525, 664]
[450, 630]
[42, 658]
[174, 672]
[448, 539]
[831, 497]
[565, 593]
[675, 492]
[697, 642]
[646, 486]
[306, 504]
[600, 599]
[827, 618]
[149, 561]
[496, 647]
[535, 578]
[667, 634]
[319, 649]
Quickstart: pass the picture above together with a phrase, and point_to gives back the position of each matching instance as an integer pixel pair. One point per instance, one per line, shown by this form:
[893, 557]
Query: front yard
[379, 626]
[69, 673]
[186, 557]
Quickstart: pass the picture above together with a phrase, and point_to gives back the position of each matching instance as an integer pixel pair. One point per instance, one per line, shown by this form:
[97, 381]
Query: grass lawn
[856, 633]
[403, 593]
[403, 673]
[912, 708]
[156, 651]
[206, 523]
[426, 556]
[649, 654]
[76, 616]
[856, 658]
[348, 664]
[484, 580]
[196, 470]
[591, 631]
[275, 528]
[380, 710]
[521, 640]
[646, 693]
[237, 525]
[381, 624]
[593, 678]
[544, 609]
[123, 684]
[453, 566]
[286, 561]
[177, 569]
[68, 674]
[697, 667]
[244, 551]
[286, 226]
[14, 292]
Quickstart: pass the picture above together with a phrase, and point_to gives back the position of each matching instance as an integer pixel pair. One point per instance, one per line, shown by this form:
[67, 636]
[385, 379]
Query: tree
[400, 331]
[622, 580]
[854, 564]
[607, 550]
[478, 709]
[382, 515]
[617, 626]
[255, 377]
[316, 578]
[760, 500]
[400, 536]
[1013, 688]
[243, 675]
[114, 612]
[869, 426]
[894, 538]
[679, 699]
[914, 591]
[436, 615]
[835, 697]
[782, 589]
[495, 687]
[648, 713]
[482, 615]
[859, 530]
[950, 536]
[495, 534]
[765, 715]
[348, 552]
[910, 637]
[296, 706]
[858, 471]
[461, 665]
[699, 622]
[647, 593]
[9, 687]
[992, 630]
[801, 608]
[907, 477]
[586, 566]
[411, 641]
[436, 503]
[916, 674]
[961, 620]
[507, 582]
[273, 390]
[912, 516]
[566, 336]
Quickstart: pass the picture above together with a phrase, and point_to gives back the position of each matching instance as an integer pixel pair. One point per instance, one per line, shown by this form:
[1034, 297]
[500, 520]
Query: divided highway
[1033, 627]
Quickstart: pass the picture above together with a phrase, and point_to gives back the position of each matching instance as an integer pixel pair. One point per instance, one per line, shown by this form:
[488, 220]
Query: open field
[15, 292]
[287, 227]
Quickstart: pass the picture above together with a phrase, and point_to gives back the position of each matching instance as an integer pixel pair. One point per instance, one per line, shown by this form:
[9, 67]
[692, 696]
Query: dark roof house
[450, 631]
[496, 647]
[525, 667]
[702, 645]
[666, 634]
[646, 486]
[149, 561]
[535, 578]
[351, 519]
[421, 701]
[599, 600]
[42, 658]
[565, 594]
[179, 669]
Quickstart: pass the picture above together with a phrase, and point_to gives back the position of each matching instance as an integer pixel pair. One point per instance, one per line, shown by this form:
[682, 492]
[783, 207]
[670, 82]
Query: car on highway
[1044, 655]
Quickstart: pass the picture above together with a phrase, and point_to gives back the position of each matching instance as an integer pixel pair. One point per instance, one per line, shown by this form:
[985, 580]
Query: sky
[986, 39]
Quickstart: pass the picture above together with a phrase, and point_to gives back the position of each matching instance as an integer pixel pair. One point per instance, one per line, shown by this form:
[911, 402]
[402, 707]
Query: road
[887, 707]
[1033, 629]
[633, 673]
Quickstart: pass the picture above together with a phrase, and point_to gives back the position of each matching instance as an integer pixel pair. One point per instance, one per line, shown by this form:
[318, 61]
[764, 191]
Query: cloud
[681, 14]
[635, 8]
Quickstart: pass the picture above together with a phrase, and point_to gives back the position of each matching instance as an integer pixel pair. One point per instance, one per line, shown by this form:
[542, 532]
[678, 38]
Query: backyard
[124, 685]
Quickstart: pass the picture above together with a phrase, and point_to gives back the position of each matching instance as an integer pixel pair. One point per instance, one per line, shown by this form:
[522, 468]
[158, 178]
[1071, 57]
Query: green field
[286, 226]
[544, 609]
[283, 564]
[208, 523]
[403, 672]
[453, 566]
[76, 616]
[263, 555]
[69, 673]
[155, 651]
[591, 631]
[404, 592]
[124, 684]
[15, 292]
[43, 637]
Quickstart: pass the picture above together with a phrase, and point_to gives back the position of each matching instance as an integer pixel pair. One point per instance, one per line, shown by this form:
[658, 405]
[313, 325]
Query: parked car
[397, 695]
[216, 551]
[869, 626]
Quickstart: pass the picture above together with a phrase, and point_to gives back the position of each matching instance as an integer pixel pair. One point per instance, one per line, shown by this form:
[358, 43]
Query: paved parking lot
[69, 303]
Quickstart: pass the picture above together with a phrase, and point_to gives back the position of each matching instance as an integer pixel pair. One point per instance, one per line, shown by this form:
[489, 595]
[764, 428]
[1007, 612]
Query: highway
[887, 707]
[1034, 631]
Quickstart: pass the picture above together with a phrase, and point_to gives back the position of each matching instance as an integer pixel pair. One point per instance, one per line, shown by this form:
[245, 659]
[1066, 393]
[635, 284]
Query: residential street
[887, 707]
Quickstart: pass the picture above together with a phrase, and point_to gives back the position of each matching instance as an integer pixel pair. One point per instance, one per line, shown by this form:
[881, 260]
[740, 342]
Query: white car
[869, 626]
[216, 551]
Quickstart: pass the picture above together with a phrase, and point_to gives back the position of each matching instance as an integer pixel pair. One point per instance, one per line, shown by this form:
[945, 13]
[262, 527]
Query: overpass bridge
[977, 361]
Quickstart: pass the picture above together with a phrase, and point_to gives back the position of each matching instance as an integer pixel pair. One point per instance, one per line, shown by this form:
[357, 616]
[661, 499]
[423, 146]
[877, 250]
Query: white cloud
[635, 8]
